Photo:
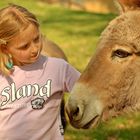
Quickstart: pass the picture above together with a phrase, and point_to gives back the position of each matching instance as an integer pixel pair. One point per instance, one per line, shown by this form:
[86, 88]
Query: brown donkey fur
[110, 84]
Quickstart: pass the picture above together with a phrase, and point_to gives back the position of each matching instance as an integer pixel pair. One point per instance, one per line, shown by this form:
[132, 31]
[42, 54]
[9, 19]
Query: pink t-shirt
[30, 99]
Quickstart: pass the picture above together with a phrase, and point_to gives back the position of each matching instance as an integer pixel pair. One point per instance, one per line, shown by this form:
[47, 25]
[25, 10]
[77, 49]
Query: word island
[10, 93]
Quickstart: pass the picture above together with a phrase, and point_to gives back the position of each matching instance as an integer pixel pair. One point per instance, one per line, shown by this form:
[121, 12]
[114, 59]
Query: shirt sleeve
[71, 76]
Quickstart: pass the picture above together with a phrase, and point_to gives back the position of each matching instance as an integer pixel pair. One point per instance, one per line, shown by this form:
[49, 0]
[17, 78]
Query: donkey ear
[129, 5]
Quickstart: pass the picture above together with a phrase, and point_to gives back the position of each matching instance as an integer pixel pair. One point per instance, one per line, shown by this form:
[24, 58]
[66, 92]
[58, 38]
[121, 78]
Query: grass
[77, 33]
[121, 128]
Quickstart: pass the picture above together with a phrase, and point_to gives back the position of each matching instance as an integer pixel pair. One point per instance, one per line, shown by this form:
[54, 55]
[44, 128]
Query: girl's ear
[129, 5]
[4, 48]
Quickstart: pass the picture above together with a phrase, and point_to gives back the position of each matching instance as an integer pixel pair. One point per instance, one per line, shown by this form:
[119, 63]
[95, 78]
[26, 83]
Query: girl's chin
[27, 61]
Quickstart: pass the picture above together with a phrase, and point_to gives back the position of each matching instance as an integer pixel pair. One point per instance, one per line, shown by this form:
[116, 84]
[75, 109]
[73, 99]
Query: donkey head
[110, 84]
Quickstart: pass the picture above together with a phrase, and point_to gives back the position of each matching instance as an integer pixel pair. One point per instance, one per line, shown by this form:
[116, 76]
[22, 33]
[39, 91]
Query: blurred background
[75, 25]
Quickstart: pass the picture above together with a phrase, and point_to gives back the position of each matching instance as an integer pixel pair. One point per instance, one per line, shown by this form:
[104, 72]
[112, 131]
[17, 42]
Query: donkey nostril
[76, 112]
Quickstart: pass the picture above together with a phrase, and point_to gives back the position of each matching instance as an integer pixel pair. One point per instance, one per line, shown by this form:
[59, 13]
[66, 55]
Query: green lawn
[122, 128]
[77, 33]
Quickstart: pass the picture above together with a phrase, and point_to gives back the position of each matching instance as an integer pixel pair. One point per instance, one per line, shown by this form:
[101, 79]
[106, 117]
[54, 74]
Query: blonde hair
[13, 19]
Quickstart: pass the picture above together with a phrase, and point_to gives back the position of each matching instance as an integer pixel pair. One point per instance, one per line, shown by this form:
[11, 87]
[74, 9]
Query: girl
[31, 85]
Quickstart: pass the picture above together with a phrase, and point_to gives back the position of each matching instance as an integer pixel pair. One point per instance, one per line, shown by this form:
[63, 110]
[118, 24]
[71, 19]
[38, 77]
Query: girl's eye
[36, 40]
[25, 47]
[121, 53]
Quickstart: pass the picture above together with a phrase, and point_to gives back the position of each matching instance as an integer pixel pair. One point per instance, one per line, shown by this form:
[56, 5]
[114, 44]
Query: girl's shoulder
[57, 62]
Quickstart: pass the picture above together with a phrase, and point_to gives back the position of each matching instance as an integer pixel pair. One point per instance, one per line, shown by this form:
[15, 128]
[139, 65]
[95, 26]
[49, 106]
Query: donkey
[52, 49]
[110, 84]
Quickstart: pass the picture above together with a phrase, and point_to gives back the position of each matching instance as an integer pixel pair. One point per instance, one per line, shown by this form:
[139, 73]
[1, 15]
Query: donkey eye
[121, 53]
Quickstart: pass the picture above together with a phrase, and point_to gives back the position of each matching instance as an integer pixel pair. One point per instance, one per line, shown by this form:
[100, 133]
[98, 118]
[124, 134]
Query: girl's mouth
[36, 55]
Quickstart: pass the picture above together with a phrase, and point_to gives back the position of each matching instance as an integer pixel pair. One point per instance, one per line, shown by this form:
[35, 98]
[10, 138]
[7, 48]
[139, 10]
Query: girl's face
[25, 47]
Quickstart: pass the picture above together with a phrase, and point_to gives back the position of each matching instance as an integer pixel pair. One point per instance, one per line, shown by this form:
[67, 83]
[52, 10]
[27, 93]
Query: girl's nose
[34, 48]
